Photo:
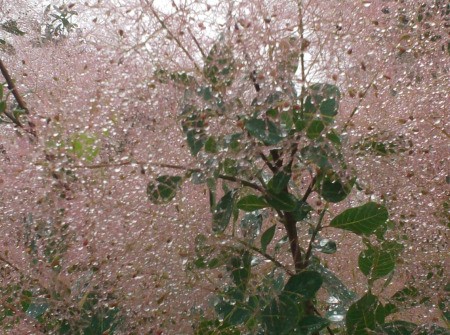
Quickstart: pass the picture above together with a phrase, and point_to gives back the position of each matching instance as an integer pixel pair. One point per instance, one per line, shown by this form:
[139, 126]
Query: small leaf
[315, 129]
[211, 145]
[222, 213]
[282, 202]
[326, 246]
[362, 220]
[303, 286]
[251, 225]
[334, 190]
[196, 140]
[251, 203]
[267, 237]
[281, 315]
[364, 315]
[279, 182]
[301, 211]
[378, 262]
[164, 189]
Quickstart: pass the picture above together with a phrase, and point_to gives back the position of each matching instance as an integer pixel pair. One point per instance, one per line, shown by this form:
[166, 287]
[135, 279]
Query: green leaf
[333, 189]
[396, 328]
[1, 91]
[267, 237]
[362, 220]
[328, 109]
[84, 146]
[301, 211]
[315, 129]
[263, 130]
[281, 315]
[333, 137]
[311, 324]
[251, 203]
[279, 182]
[282, 201]
[364, 315]
[222, 213]
[211, 145]
[38, 307]
[219, 65]
[303, 286]
[406, 294]
[377, 262]
[196, 140]
[164, 189]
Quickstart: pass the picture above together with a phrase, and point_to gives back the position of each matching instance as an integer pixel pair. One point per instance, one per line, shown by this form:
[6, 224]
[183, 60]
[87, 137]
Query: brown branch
[265, 255]
[112, 165]
[314, 234]
[243, 182]
[266, 161]
[309, 189]
[13, 89]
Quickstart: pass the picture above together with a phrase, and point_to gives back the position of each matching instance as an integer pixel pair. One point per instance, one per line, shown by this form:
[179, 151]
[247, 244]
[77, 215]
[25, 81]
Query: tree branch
[243, 182]
[13, 89]
[314, 234]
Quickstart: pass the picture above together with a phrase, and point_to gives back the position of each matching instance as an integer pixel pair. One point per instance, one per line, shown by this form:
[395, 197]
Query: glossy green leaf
[364, 315]
[332, 189]
[315, 129]
[279, 182]
[263, 130]
[303, 286]
[282, 201]
[328, 109]
[163, 189]
[362, 220]
[222, 213]
[267, 237]
[251, 203]
[378, 261]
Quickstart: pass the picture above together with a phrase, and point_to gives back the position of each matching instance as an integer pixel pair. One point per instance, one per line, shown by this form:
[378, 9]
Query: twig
[314, 233]
[112, 165]
[13, 88]
[270, 258]
[243, 182]
[309, 189]
[266, 161]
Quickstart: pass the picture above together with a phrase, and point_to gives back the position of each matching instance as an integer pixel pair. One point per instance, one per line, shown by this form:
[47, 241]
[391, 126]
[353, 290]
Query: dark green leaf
[377, 262]
[333, 137]
[164, 189]
[303, 286]
[362, 220]
[2, 106]
[211, 145]
[333, 189]
[301, 211]
[279, 182]
[315, 129]
[364, 315]
[251, 203]
[282, 201]
[222, 212]
[406, 294]
[281, 316]
[195, 139]
[311, 324]
[396, 328]
[328, 110]
[265, 131]
[267, 237]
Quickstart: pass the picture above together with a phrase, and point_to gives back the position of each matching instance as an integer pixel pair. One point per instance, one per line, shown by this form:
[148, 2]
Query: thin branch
[315, 232]
[13, 88]
[309, 189]
[4, 260]
[112, 165]
[243, 182]
[163, 24]
[266, 161]
[363, 95]
[267, 256]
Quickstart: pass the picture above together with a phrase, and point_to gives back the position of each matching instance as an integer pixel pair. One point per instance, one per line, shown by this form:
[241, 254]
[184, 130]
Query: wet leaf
[222, 213]
[362, 220]
[267, 237]
[251, 203]
[378, 261]
[282, 201]
[279, 182]
[163, 189]
[364, 315]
